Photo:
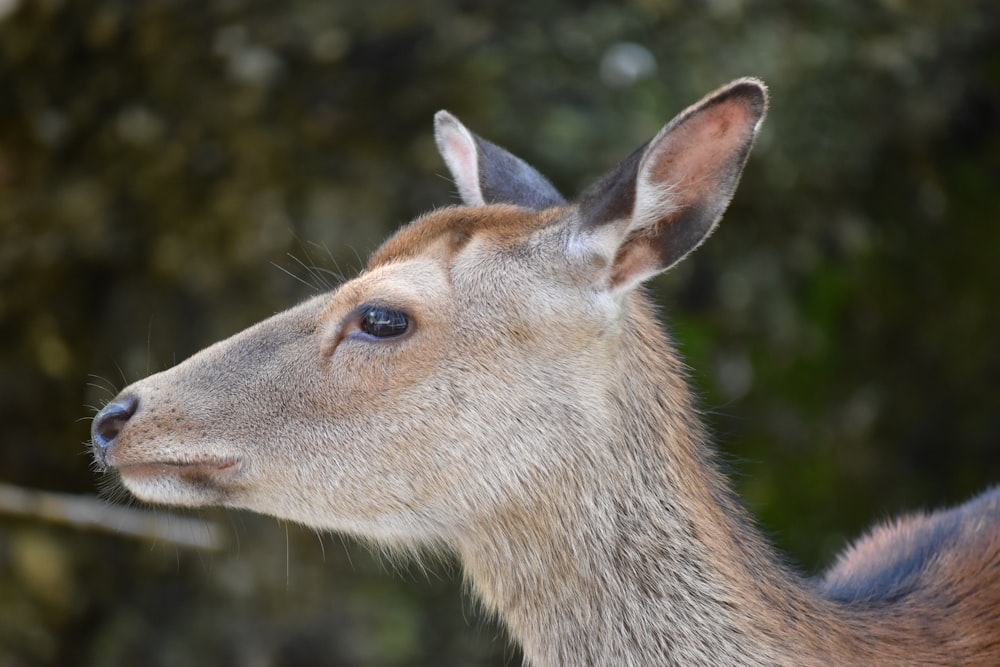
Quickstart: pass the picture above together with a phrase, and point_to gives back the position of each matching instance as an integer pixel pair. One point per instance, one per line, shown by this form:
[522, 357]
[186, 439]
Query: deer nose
[111, 420]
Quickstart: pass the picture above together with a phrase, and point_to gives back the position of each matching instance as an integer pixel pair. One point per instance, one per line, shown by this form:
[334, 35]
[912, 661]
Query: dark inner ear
[507, 179]
[612, 197]
[682, 232]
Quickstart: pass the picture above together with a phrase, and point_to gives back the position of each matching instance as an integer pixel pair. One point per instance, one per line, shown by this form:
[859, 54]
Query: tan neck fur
[614, 567]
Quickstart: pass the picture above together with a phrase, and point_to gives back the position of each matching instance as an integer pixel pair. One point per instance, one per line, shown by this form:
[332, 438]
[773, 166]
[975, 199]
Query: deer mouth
[207, 472]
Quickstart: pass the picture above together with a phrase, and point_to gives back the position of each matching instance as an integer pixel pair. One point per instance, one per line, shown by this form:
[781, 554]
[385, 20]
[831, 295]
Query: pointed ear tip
[445, 120]
[443, 116]
[752, 89]
[448, 129]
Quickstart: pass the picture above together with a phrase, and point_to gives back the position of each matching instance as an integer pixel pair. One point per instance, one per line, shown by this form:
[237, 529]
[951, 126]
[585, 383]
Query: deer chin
[188, 483]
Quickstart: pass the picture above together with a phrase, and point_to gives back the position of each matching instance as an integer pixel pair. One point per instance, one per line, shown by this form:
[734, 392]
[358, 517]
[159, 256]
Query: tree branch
[92, 513]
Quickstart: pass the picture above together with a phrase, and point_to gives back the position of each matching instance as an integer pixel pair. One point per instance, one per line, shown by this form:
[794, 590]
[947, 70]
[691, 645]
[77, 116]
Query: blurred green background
[170, 170]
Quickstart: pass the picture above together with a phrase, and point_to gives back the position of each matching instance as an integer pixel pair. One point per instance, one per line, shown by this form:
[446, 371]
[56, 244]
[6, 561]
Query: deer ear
[486, 173]
[666, 198]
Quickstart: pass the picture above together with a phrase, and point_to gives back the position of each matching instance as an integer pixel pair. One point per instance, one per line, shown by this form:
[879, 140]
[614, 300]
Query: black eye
[382, 322]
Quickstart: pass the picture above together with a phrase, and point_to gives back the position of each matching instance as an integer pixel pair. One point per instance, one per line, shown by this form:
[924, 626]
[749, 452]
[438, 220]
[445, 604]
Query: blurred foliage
[166, 164]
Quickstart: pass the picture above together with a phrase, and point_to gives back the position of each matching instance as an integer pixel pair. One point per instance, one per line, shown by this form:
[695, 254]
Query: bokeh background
[172, 171]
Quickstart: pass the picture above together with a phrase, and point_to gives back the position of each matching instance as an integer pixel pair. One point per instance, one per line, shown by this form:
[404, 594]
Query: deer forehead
[484, 254]
[446, 232]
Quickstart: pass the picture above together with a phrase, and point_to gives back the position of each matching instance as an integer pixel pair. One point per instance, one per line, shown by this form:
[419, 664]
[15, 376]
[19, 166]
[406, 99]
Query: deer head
[473, 369]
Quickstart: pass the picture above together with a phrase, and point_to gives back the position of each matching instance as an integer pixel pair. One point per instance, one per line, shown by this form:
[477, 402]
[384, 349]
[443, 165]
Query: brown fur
[453, 228]
[536, 420]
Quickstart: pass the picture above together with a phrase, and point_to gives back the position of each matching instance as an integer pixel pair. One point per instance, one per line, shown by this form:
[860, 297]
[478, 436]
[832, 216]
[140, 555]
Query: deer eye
[382, 322]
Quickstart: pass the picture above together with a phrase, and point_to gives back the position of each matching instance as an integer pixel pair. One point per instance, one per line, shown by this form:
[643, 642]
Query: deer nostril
[111, 420]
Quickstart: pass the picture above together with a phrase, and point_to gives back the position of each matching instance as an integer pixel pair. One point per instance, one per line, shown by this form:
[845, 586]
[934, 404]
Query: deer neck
[648, 560]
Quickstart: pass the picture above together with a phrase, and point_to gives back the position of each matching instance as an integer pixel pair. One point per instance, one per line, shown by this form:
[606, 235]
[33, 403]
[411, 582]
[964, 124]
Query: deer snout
[109, 422]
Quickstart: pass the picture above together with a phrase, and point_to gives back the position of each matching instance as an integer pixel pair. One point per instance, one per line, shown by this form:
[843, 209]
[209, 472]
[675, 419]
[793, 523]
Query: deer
[496, 383]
